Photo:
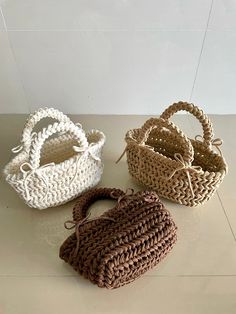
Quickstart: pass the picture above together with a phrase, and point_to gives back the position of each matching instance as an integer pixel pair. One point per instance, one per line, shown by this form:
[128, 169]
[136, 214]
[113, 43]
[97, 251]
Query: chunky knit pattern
[49, 172]
[161, 156]
[121, 244]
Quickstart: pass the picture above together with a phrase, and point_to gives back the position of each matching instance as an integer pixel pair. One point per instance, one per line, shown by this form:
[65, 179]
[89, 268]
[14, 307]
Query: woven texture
[124, 242]
[160, 156]
[56, 164]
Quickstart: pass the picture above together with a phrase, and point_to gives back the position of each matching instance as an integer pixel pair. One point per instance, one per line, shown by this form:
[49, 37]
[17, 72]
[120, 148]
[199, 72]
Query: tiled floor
[199, 275]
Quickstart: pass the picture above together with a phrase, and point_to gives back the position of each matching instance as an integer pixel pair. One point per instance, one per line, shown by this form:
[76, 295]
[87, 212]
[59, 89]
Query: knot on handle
[19, 148]
[88, 150]
[217, 142]
[128, 195]
[84, 151]
[126, 198]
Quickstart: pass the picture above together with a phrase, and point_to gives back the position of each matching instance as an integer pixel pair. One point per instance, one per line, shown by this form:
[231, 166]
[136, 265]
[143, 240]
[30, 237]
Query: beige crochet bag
[49, 172]
[160, 156]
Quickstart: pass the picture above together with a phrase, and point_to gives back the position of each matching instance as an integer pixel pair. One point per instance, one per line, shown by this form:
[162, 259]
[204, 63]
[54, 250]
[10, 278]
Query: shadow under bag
[124, 242]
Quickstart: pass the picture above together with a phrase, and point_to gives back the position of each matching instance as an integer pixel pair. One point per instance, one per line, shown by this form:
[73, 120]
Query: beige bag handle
[153, 123]
[198, 113]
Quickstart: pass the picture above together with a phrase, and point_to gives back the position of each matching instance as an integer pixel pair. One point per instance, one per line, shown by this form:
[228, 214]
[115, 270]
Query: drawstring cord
[140, 144]
[19, 148]
[126, 198]
[37, 171]
[84, 151]
[71, 224]
[121, 156]
[32, 171]
[217, 142]
[88, 149]
[186, 167]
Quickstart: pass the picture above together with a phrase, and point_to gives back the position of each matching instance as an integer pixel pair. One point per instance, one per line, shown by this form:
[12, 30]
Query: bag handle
[87, 199]
[153, 123]
[198, 113]
[35, 118]
[80, 216]
[42, 136]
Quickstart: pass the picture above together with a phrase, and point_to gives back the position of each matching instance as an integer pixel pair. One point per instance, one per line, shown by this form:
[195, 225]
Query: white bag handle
[33, 120]
[42, 136]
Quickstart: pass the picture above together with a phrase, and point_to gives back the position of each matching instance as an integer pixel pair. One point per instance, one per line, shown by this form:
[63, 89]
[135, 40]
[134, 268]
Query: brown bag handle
[198, 113]
[87, 199]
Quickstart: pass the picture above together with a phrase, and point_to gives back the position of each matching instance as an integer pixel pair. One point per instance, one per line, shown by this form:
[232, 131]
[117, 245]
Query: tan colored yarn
[160, 156]
[124, 242]
[48, 171]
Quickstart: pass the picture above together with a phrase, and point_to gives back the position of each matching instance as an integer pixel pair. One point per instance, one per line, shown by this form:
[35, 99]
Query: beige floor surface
[198, 276]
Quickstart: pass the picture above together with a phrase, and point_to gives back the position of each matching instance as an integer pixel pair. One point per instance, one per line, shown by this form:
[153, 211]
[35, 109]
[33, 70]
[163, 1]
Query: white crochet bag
[49, 172]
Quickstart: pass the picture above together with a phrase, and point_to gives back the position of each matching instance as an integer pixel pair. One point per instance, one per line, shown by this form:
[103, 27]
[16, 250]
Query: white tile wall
[107, 72]
[119, 57]
[1, 21]
[105, 14]
[223, 16]
[215, 84]
[12, 97]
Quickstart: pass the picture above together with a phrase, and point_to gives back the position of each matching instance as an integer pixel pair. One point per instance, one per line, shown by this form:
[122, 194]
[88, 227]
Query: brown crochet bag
[121, 244]
[162, 157]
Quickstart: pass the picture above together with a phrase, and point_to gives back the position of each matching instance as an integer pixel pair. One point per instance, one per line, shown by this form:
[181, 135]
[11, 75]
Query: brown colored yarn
[163, 158]
[124, 242]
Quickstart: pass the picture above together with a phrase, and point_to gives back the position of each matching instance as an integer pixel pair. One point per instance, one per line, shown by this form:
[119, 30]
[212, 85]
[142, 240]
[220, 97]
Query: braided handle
[39, 140]
[35, 118]
[153, 123]
[87, 199]
[198, 113]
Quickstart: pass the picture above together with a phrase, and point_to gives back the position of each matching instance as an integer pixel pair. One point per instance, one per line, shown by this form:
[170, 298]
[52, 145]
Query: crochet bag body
[124, 242]
[49, 172]
[160, 156]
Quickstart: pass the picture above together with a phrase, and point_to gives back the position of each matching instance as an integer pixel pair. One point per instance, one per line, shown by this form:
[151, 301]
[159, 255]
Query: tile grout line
[13, 55]
[105, 30]
[4, 21]
[201, 51]
[225, 213]
[144, 275]
[190, 276]
[221, 203]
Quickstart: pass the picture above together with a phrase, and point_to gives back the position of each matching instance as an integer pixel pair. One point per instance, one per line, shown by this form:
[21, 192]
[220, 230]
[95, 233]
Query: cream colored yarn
[160, 156]
[49, 172]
